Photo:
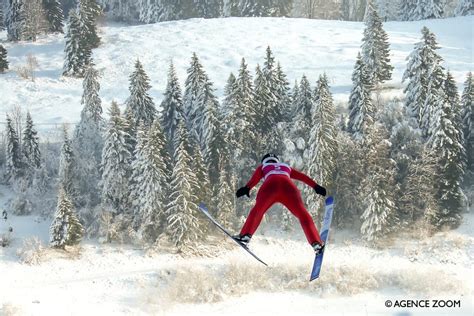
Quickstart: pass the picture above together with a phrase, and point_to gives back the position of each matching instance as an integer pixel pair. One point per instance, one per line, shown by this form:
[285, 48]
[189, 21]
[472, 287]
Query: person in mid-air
[278, 187]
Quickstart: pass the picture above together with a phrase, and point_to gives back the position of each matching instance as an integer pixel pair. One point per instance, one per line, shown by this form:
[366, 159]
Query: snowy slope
[303, 46]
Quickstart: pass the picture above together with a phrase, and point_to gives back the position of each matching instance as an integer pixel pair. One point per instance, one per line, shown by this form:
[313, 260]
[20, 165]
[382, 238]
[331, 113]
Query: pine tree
[14, 163]
[183, 226]
[140, 104]
[378, 186]
[65, 230]
[192, 99]
[361, 109]
[15, 20]
[203, 191]
[67, 165]
[78, 52]
[420, 62]
[35, 21]
[465, 7]
[231, 117]
[30, 144]
[3, 59]
[322, 142]
[467, 101]
[429, 9]
[407, 10]
[115, 163]
[282, 88]
[88, 139]
[2, 26]
[149, 181]
[88, 12]
[304, 108]
[172, 105]
[446, 143]
[375, 48]
[224, 203]
[54, 15]
[434, 95]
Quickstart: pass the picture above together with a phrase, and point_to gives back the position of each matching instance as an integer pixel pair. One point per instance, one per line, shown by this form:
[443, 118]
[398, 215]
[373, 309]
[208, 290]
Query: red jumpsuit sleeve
[256, 177]
[295, 174]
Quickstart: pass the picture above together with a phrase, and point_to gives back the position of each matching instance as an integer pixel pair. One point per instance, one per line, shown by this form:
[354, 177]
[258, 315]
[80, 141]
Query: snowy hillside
[302, 46]
[115, 280]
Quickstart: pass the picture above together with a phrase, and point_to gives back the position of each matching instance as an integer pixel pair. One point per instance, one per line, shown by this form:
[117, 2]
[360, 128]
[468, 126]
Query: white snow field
[302, 46]
[103, 279]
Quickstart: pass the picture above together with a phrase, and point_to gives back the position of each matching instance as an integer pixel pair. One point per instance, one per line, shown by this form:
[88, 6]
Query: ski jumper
[278, 187]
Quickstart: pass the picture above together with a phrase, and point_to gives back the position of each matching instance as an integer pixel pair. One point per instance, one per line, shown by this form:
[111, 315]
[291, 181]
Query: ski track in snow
[302, 46]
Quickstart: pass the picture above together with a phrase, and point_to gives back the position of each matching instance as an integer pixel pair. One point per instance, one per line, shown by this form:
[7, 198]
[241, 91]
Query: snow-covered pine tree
[429, 9]
[420, 62]
[140, 104]
[30, 144]
[172, 106]
[465, 7]
[304, 107]
[65, 230]
[2, 24]
[149, 180]
[77, 52]
[446, 142]
[420, 198]
[192, 100]
[231, 119]
[361, 109]
[88, 140]
[407, 10]
[130, 133]
[375, 48]
[54, 15]
[283, 100]
[224, 200]
[322, 143]
[204, 190]
[452, 97]
[67, 165]
[378, 186]
[15, 20]
[183, 226]
[88, 12]
[115, 164]
[292, 104]
[13, 163]
[3, 59]
[467, 101]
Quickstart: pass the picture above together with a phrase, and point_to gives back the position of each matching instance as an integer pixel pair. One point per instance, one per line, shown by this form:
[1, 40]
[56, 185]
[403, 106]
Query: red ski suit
[278, 187]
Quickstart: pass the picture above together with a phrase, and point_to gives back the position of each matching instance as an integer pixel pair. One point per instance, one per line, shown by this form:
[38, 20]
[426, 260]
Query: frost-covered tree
[3, 59]
[429, 9]
[149, 179]
[322, 142]
[375, 48]
[224, 200]
[193, 97]
[140, 105]
[304, 106]
[115, 163]
[260, 7]
[231, 118]
[378, 186]
[88, 139]
[88, 12]
[15, 19]
[67, 165]
[2, 25]
[30, 144]
[204, 189]
[421, 61]
[77, 52]
[467, 101]
[446, 143]
[172, 105]
[54, 15]
[361, 108]
[465, 7]
[183, 226]
[13, 159]
[65, 230]
[407, 10]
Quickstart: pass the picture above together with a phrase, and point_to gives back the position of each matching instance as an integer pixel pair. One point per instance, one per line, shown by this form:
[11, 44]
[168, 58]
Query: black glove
[320, 190]
[243, 191]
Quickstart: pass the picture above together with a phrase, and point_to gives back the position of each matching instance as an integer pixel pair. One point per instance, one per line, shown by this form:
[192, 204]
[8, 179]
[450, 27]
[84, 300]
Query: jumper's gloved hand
[320, 190]
[243, 191]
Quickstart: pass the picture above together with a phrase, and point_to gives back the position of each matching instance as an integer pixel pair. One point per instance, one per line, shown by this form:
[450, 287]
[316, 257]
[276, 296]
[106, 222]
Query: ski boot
[318, 248]
[243, 239]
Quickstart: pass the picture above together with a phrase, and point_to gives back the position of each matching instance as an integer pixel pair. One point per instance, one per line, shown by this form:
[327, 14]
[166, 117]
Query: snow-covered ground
[120, 280]
[302, 46]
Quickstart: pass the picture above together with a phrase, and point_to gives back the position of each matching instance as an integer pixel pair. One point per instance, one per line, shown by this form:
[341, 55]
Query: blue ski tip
[203, 206]
[329, 200]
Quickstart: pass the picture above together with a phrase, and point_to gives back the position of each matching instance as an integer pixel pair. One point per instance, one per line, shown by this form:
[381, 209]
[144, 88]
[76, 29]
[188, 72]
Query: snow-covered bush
[27, 71]
[31, 252]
